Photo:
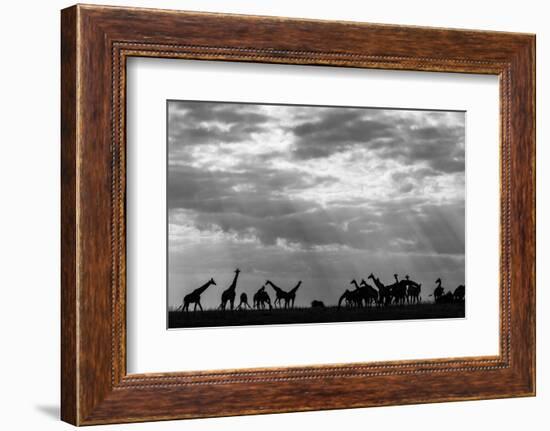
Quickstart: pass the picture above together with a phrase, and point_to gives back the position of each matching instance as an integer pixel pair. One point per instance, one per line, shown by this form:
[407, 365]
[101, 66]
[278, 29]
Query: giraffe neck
[203, 288]
[295, 288]
[234, 283]
[273, 286]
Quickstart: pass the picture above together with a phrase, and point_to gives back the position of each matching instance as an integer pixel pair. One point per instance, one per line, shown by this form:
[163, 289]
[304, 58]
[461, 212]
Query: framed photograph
[302, 197]
[322, 214]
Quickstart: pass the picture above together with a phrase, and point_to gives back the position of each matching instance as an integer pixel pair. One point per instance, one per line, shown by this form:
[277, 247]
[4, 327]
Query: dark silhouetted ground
[209, 318]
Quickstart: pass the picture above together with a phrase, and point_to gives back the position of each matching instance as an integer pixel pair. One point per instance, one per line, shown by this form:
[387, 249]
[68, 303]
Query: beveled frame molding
[96, 41]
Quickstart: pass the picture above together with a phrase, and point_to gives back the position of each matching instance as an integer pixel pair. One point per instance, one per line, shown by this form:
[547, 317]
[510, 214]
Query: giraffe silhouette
[281, 295]
[195, 296]
[384, 293]
[364, 294]
[261, 298]
[243, 302]
[345, 297]
[399, 290]
[291, 296]
[358, 294]
[438, 291]
[370, 293]
[228, 294]
[413, 290]
[351, 297]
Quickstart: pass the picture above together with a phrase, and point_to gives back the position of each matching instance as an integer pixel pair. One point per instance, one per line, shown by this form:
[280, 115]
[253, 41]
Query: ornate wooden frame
[95, 43]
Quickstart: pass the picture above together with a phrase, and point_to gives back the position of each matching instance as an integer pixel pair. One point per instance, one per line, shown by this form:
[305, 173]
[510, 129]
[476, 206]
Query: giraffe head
[438, 281]
[237, 271]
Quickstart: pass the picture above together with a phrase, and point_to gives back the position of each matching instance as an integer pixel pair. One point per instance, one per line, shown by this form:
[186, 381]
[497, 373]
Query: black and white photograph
[293, 214]
[275, 215]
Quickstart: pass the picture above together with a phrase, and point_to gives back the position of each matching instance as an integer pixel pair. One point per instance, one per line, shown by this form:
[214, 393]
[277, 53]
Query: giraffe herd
[399, 292]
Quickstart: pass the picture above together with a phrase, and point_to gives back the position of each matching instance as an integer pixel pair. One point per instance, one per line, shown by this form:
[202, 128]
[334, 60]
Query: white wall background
[29, 216]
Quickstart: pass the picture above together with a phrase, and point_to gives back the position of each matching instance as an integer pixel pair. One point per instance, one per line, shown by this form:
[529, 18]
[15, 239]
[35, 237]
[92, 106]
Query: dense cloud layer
[336, 130]
[316, 191]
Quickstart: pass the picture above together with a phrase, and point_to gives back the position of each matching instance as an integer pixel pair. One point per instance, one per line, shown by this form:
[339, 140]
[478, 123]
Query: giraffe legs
[292, 302]
[243, 305]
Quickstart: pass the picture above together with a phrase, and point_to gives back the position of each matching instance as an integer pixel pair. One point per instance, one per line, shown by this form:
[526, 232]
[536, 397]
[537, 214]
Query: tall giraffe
[279, 293]
[291, 296]
[370, 293]
[358, 293]
[288, 297]
[399, 290]
[195, 296]
[384, 293]
[229, 293]
[413, 290]
[364, 293]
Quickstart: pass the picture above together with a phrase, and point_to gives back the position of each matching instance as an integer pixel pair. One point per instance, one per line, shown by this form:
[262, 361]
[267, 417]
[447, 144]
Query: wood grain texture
[96, 41]
[68, 218]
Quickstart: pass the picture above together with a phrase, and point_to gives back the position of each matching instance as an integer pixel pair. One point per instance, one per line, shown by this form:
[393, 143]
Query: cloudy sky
[318, 194]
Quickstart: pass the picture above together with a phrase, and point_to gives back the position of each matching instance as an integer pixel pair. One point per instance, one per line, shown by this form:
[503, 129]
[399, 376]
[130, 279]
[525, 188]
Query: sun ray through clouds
[318, 194]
